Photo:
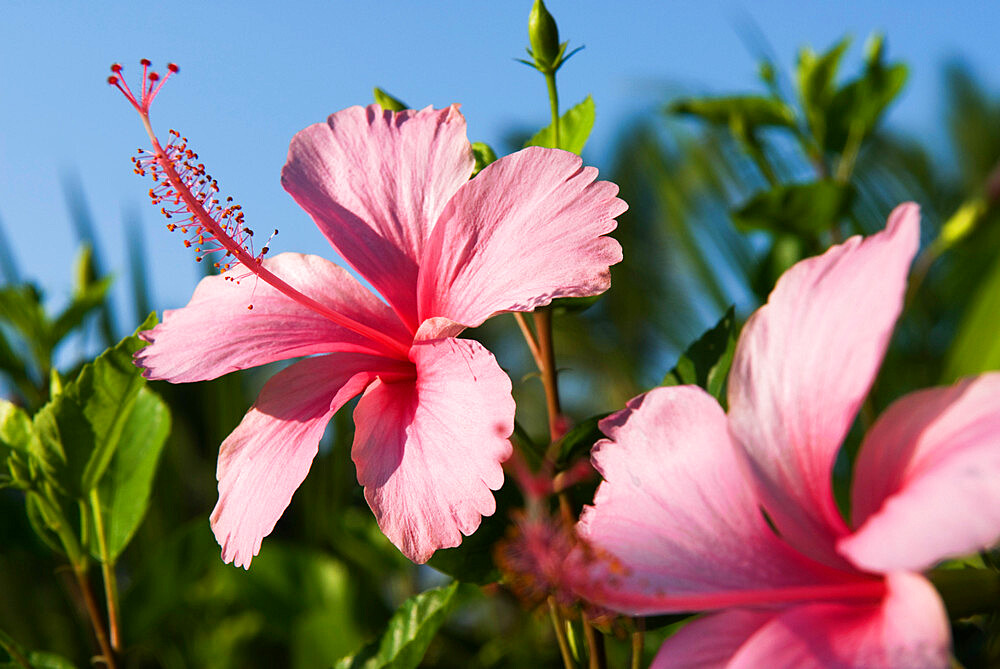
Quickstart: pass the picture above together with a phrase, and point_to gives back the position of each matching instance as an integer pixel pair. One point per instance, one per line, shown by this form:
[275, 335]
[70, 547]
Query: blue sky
[254, 73]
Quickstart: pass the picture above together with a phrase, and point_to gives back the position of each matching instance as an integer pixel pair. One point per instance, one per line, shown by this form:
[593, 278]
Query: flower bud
[544, 37]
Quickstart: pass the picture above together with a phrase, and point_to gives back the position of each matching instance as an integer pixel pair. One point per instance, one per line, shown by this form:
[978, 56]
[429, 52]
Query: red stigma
[151, 84]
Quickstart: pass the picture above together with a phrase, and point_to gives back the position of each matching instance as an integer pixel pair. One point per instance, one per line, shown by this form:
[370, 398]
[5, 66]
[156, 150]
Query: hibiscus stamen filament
[184, 189]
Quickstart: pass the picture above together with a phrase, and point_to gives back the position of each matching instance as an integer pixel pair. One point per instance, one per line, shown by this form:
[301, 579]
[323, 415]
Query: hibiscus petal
[375, 182]
[268, 455]
[802, 367]
[216, 333]
[908, 628]
[529, 228]
[927, 479]
[710, 642]
[428, 452]
[678, 520]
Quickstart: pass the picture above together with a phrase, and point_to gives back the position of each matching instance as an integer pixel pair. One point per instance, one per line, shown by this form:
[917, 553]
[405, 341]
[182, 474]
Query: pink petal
[679, 520]
[428, 452]
[927, 479]
[216, 333]
[375, 182]
[710, 642]
[907, 629]
[529, 228]
[268, 455]
[803, 365]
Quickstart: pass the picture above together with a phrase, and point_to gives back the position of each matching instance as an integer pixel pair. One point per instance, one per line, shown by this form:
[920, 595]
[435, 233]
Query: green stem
[550, 82]
[557, 625]
[108, 573]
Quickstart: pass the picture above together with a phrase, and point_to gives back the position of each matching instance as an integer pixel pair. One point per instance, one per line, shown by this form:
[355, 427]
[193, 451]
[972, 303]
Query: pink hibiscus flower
[679, 510]
[392, 194]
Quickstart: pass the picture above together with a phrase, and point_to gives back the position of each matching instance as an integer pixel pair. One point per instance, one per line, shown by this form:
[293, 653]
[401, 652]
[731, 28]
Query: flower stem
[638, 642]
[11, 648]
[95, 617]
[529, 338]
[595, 645]
[108, 573]
[550, 82]
[557, 624]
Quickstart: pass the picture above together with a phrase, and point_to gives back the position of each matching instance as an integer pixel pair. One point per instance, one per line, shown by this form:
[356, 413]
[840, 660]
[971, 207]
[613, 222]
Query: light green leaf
[574, 129]
[84, 302]
[484, 155]
[15, 427]
[706, 362]
[409, 632]
[976, 348]
[750, 111]
[802, 209]
[386, 101]
[79, 429]
[126, 485]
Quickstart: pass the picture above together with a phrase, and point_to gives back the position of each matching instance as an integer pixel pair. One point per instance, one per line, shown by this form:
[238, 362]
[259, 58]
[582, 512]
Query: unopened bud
[544, 37]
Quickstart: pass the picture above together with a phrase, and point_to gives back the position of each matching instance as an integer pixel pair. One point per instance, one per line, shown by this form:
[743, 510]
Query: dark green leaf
[574, 129]
[803, 209]
[858, 106]
[409, 632]
[750, 111]
[126, 485]
[706, 362]
[484, 155]
[41, 660]
[386, 101]
[817, 80]
[79, 429]
[579, 440]
[573, 305]
[46, 520]
[472, 560]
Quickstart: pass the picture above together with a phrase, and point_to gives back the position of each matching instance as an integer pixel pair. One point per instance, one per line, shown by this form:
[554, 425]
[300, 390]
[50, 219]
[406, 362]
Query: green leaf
[856, 108]
[802, 209]
[750, 111]
[21, 307]
[706, 362]
[15, 428]
[126, 485]
[976, 348]
[817, 79]
[484, 155]
[472, 560]
[574, 129]
[386, 101]
[409, 632]
[579, 440]
[85, 301]
[572, 305]
[80, 428]
[41, 660]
